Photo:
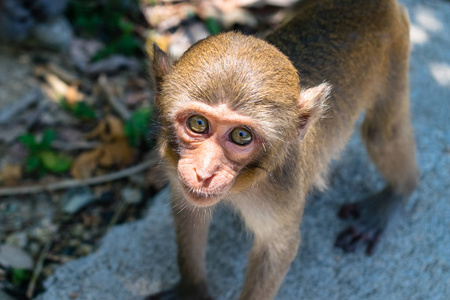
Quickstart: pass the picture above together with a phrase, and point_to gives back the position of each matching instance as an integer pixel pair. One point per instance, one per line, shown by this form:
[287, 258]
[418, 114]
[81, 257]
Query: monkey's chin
[202, 199]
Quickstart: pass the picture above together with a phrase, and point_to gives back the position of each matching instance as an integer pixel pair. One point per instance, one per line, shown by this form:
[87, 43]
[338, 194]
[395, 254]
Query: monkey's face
[214, 144]
[229, 109]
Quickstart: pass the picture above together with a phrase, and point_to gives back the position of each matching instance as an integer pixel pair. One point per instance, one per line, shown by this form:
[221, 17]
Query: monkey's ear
[162, 64]
[312, 105]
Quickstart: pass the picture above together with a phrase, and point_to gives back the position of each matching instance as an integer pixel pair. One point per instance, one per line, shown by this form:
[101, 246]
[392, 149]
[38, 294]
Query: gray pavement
[411, 262]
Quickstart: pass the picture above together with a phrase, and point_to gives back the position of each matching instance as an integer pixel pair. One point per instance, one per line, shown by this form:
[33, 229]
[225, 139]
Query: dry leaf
[108, 129]
[113, 151]
[166, 16]
[85, 164]
[116, 153]
[112, 64]
[163, 42]
[73, 95]
[10, 174]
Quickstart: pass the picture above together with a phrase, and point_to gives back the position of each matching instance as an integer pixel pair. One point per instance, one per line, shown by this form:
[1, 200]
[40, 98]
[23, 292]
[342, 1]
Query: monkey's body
[361, 49]
[376, 55]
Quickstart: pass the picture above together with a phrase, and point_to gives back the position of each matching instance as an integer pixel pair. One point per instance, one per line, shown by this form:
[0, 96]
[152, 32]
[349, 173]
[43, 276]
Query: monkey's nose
[204, 177]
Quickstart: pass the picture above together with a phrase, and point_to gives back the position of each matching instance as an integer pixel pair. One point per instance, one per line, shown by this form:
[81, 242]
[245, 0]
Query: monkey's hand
[371, 216]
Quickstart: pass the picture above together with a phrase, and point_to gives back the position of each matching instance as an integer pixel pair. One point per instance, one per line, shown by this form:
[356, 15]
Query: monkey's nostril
[199, 178]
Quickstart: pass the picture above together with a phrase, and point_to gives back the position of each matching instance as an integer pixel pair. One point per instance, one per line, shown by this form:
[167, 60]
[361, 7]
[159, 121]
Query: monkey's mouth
[202, 198]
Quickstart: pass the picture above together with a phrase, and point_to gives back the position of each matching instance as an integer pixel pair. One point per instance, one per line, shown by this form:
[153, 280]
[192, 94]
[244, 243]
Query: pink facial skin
[211, 161]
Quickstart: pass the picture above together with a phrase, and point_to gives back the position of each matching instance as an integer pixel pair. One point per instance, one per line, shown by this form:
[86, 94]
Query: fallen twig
[118, 106]
[38, 269]
[61, 259]
[7, 113]
[61, 73]
[117, 214]
[111, 65]
[65, 184]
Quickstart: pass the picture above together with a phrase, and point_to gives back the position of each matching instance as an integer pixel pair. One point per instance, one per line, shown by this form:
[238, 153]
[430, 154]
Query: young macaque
[254, 124]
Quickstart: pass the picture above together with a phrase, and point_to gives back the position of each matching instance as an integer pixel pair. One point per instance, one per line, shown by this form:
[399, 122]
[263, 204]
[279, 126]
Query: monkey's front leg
[191, 227]
[270, 259]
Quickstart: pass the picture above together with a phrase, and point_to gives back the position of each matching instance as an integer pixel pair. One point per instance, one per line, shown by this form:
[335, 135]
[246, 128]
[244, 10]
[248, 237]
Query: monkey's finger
[346, 237]
[351, 246]
[373, 242]
[350, 211]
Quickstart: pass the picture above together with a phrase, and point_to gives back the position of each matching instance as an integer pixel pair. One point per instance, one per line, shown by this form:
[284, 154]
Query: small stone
[76, 199]
[14, 257]
[55, 34]
[131, 195]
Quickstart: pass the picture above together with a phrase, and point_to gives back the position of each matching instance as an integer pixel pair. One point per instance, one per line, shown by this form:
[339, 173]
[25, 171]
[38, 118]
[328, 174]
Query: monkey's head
[229, 109]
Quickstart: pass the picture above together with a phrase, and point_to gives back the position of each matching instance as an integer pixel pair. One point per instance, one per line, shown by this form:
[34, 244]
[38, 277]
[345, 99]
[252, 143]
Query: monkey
[254, 124]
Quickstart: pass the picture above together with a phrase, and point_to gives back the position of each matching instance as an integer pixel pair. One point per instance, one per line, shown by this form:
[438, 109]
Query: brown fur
[360, 49]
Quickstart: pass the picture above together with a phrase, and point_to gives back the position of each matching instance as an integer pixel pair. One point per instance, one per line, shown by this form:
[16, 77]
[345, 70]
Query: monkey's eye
[241, 136]
[198, 124]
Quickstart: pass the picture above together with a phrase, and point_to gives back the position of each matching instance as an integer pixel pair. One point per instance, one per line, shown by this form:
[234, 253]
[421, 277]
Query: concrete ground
[411, 262]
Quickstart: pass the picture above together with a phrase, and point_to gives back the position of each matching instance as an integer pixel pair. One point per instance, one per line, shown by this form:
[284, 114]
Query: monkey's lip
[202, 198]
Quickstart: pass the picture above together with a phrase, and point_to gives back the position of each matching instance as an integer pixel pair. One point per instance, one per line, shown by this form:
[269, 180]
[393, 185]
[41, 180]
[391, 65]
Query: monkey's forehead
[235, 69]
[236, 52]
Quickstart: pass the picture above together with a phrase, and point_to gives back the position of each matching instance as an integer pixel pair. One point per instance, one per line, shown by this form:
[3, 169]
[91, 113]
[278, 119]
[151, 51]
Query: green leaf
[213, 25]
[57, 163]
[32, 164]
[64, 104]
[28, 141]
[83, 111]
[125, 26]
[126, 45]
[47, 139]
[20, 276]
[80, 109]
[136, 128]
